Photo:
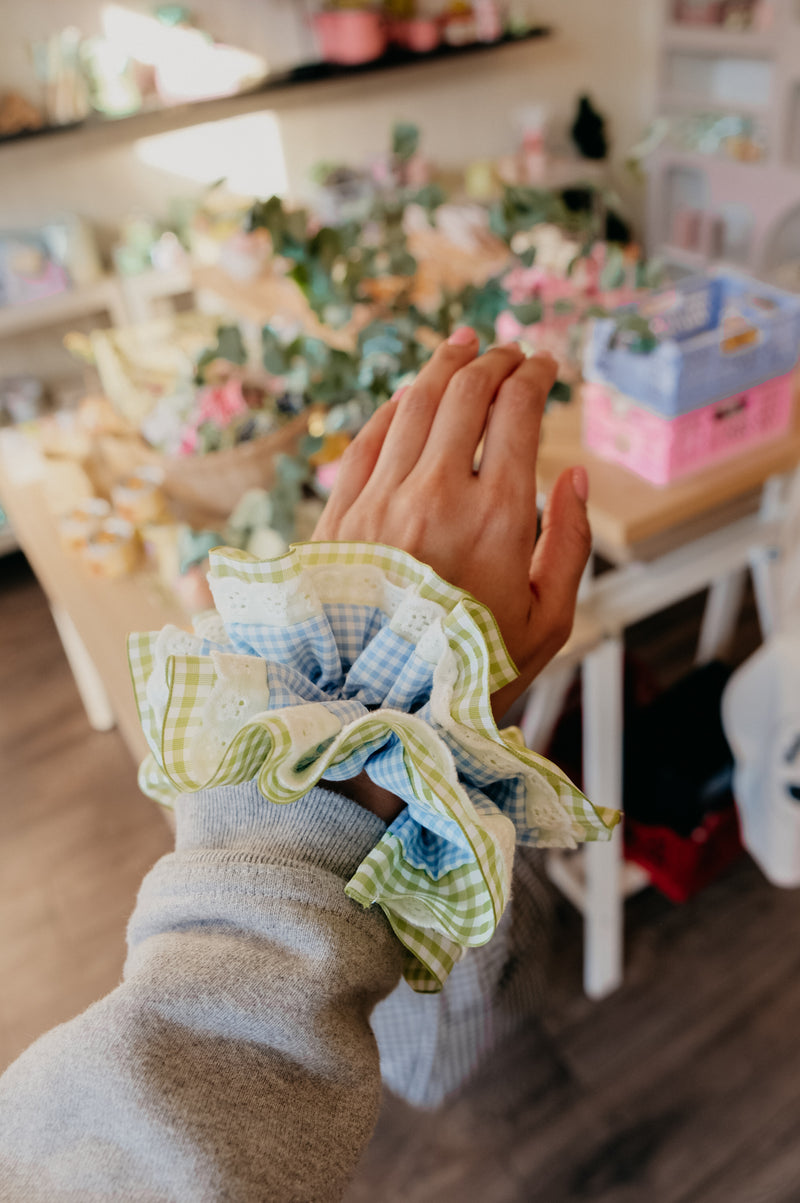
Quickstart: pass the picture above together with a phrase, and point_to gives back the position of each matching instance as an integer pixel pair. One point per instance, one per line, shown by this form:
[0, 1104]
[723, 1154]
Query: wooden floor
[682, 1088]
[76, 836]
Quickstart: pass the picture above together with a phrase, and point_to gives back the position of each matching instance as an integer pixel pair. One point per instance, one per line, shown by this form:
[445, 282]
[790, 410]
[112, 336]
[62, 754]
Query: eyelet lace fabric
[342, 657]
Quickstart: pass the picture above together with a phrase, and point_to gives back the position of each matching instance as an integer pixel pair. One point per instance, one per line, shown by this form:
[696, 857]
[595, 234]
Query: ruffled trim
[338, 657]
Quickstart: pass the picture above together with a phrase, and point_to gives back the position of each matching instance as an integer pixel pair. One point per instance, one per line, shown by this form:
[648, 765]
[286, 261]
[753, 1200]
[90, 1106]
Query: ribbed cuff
[322, 828]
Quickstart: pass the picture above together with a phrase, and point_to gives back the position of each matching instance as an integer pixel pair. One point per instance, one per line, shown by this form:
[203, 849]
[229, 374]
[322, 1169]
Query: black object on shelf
[309, 73]
[589, 131]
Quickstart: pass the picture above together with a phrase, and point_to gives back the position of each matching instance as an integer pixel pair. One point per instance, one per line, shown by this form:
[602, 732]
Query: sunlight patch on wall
[245, 151]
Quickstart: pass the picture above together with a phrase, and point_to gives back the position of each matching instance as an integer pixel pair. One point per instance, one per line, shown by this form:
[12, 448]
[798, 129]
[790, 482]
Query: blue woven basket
[717, 335]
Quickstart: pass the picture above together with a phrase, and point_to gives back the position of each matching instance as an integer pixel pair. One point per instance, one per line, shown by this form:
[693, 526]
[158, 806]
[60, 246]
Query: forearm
[236, 1058]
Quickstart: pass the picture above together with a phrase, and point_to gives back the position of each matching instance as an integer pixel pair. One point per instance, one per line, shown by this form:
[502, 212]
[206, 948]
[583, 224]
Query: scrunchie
[342, 657]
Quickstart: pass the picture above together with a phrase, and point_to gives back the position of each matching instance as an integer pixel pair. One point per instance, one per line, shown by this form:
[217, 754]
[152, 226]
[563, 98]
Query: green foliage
[405, 141]
[229, 346]
[560, 392]
[613, 274]
[528, 312]
[520, 208]
[634, 330]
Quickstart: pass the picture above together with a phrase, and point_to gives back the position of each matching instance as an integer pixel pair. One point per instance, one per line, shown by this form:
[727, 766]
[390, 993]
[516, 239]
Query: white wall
[605, 47]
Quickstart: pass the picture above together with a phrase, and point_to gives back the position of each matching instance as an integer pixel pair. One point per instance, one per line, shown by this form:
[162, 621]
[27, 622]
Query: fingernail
[462, 337]
[580, 483]
[400, 392]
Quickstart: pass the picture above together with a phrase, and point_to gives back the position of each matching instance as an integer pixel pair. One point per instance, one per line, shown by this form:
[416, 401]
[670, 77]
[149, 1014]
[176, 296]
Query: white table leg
[87, 679]
[722, 609]
[778, 500]
[544, 704]
[603, 679]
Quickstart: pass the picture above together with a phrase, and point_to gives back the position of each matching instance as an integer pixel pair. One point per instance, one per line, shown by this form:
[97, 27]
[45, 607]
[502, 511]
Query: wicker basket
[205, 486]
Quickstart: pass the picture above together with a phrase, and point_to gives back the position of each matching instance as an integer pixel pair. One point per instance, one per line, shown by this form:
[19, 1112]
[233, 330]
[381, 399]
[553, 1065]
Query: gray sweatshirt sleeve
[235, 1061]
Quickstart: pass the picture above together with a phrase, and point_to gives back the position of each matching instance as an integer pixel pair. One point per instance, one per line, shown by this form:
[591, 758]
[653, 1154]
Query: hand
[408, 480]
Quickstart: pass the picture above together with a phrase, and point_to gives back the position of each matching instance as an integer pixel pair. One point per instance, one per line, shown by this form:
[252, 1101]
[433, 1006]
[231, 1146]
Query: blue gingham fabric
[338, 658]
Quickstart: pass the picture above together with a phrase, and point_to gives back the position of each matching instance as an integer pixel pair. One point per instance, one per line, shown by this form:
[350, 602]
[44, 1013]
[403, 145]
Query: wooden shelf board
[63, 307]
[290, 84]
[688, 102]
[711, 39]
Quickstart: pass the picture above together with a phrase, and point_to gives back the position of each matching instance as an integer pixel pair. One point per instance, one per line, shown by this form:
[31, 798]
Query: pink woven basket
[663, 449]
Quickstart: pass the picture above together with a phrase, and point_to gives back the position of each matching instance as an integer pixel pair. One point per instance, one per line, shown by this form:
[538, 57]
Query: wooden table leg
[603, 679]
[87, 679]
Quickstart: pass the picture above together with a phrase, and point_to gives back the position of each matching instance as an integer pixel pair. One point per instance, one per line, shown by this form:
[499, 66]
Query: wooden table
[93, 615]
[665, 543]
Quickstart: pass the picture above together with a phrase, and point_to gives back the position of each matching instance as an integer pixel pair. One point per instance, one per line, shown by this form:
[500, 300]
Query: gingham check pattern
[293, 698]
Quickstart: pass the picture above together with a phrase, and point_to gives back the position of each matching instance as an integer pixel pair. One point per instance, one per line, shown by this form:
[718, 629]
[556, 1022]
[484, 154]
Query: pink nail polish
[580, 483]
[462, 337]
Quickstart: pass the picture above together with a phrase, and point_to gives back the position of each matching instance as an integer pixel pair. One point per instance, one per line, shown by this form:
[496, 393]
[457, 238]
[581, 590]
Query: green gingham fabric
[288, 682]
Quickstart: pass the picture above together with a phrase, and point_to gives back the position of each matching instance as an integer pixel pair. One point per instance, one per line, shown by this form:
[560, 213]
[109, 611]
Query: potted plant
[351, 31]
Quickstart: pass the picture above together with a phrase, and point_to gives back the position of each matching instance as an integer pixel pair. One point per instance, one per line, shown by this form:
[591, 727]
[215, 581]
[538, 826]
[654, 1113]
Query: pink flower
[221, 403]
[524, 283]
[507, 328]
[327, 474]
[188, 444]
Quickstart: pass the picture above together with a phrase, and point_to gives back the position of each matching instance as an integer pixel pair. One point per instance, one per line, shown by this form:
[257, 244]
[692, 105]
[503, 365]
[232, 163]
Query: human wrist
[367, 794]
[323, 828]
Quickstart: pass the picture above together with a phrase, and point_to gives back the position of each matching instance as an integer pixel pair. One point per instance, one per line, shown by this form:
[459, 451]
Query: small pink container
[351, 35]
[418, 34]
[663, 449]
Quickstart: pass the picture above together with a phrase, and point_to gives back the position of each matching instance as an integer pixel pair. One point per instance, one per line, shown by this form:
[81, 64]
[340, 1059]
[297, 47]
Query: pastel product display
[77, 527]
[113, 550]
[488, 20]
[421, 35]
[161, 543]
[342, 657]
[351, 35]
[716, 335]
[662, 449]
[191, 589]
[139, 498]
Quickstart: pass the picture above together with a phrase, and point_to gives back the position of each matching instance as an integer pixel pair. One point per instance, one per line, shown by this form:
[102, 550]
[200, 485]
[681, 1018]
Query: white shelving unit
[101, 296]
[749, 211]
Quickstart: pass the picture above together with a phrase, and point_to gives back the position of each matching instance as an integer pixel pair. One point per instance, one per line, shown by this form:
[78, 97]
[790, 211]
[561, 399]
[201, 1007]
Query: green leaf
[561, 391]
[635, 333]
[405, 140]
[529, 312]
[230, 345]
[613, 273]
[274, 353]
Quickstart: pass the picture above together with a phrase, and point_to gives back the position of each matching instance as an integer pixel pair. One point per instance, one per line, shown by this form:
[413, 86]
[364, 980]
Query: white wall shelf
[719, 188]
[705, 39]
[101, 296]
[126, 299]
